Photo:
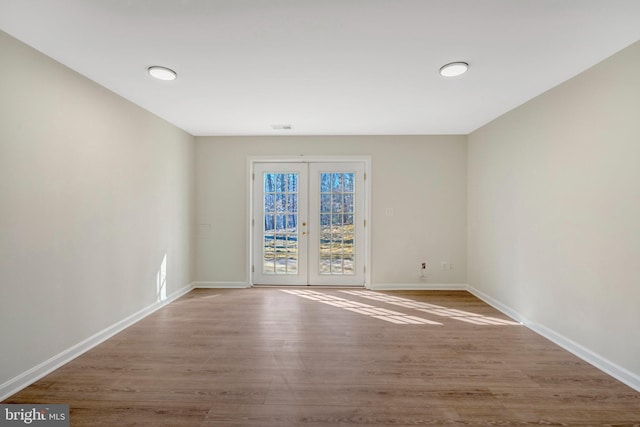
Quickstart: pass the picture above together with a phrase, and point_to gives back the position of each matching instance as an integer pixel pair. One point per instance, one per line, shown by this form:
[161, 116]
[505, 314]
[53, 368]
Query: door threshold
[311, 286]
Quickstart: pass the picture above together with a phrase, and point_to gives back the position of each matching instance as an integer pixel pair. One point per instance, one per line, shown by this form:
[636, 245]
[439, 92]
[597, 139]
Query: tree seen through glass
[337, 238]
[280, 233]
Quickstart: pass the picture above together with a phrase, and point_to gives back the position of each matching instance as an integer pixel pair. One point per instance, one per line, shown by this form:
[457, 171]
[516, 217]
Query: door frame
[252, 160]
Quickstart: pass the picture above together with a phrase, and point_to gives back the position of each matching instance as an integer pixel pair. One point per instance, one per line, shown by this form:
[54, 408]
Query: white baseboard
[605, 365]
[497, 305]
[418, 286]
[219, 285]
[618, 372]
[23, 380]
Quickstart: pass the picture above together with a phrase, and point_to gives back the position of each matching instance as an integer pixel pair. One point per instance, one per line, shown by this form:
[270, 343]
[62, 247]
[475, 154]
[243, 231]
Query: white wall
[423, 178]
[554, 211]
[94, 191]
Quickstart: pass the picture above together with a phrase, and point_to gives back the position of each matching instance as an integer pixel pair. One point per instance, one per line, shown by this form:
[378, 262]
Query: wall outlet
[424, 265]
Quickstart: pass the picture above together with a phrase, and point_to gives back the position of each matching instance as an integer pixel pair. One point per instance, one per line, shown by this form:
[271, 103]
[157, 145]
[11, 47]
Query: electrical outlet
[424, 265]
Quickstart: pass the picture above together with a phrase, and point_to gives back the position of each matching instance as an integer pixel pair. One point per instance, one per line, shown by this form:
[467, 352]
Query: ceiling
[326, 67]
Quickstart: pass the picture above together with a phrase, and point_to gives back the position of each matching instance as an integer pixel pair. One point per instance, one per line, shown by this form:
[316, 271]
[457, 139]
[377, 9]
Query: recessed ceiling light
[162, 73]
[454, 69]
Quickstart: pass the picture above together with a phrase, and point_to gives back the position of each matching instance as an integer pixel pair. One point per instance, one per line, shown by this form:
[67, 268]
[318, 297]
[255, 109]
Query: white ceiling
[327, 67]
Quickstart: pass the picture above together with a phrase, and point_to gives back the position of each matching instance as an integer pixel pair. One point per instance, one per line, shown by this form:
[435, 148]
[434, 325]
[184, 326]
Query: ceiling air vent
[281, 127]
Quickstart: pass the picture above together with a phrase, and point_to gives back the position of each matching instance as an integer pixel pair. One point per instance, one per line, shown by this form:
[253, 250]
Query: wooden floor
[324, 357]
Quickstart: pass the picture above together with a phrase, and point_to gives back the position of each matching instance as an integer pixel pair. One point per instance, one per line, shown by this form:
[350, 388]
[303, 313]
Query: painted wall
[423, 178]
[94, 192]
[554, 209]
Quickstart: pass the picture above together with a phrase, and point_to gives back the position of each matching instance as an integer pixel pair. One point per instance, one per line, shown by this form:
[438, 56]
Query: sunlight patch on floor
[464, 316]
[361, 308]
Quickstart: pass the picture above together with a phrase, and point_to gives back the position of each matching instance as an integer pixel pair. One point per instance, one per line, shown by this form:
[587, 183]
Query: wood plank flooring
[266, 357]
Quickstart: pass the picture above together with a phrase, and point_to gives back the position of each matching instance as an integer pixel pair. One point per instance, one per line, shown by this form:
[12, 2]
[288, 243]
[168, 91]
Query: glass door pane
[336, 217]
[337, 237]
[280, 227]
[279, 223]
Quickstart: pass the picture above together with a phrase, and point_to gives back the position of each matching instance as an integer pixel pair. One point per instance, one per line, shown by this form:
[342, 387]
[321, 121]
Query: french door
[308, 223]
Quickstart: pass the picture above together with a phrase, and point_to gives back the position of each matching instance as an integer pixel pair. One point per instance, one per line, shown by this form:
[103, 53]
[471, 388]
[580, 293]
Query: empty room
[303, 212]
